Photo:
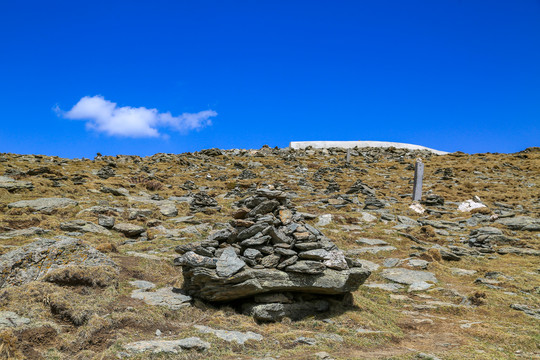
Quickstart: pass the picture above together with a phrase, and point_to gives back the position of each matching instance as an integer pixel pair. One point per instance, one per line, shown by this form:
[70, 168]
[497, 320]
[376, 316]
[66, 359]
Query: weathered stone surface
[167, 346]
[44, 205]
[521, 223]
[230, 335]
[129, 230]
[306, 267]
[11, 319]
[168, 297]
[229, 263]
[12, 185]
[23, 232]
[408, 277]
[277, 311]
[36, 260]
[206, 284]
[168, 210]
[192, 259]
[84, 226]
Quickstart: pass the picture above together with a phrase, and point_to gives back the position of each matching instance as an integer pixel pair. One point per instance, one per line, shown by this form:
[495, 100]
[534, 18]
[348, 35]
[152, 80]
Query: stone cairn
[269, 263]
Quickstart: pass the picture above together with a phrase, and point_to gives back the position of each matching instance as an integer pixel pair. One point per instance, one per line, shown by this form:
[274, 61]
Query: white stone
[417, 208]
[324, 220]
[469, 205]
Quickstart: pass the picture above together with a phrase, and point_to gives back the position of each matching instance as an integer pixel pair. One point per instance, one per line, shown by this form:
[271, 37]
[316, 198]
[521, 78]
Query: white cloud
[107, 117]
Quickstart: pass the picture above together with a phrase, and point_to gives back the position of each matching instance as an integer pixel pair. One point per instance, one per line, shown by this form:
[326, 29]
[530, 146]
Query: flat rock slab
[84, 227]
[371, 242]
[167, 346]
[521, 223]
[370, 250]
[230, 335]
[385, 287]
[12, 185]
[166, 297]
[34, 261]
[11, 319]
[206, 284]
[408, 277]
[24, 232]
[45, 205]
[130, 230]
[370, 265]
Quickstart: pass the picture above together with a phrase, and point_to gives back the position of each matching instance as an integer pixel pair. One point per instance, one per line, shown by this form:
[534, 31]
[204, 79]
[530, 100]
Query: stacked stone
[270, 250]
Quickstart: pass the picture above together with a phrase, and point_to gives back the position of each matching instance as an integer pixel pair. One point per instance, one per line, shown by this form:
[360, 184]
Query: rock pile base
[269, 262]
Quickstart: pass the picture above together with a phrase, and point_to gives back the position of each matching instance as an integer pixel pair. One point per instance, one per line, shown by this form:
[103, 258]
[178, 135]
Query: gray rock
[371, 242]
[192, 259]
[12, 185]
[38, 259]
[535, 313]
[521, 223]
[324, 220]
[263, 208]
[23, 232]
[317, 254]
[206, 284]
[168, 210]
[129, 230]
[230, 335]
[514, 250]
[106, 221]
[407, 221]
[305, 340]
[391, 262]
[44, 205]
[142, 284]
[369, 265]
[419, 286]
[385, 287]
[166, 297]
[167, 346]
[336, 260]
[408, 277]
[277, 311]
[11, 319]
[84, 226]
[371, 250]
[418, 263]
[229, 263]
[306, 267]
[252, 254]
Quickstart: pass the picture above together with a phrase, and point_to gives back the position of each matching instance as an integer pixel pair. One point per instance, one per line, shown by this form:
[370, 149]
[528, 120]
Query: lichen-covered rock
[46, 257]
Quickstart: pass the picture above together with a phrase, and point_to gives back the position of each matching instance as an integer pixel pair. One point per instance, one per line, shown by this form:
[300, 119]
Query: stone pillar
[418, 176]
[348, 158]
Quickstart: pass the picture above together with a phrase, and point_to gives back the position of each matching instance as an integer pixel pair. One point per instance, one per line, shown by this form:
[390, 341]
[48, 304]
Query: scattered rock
[408, 277]
[167, 346]
[44, 205]
[229, 335]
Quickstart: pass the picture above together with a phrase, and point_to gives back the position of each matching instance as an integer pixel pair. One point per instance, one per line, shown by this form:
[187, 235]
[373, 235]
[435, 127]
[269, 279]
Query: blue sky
[177, 76]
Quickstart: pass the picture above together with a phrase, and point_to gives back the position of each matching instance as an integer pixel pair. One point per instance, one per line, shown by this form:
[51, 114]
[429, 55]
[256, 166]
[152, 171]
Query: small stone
[230, 336]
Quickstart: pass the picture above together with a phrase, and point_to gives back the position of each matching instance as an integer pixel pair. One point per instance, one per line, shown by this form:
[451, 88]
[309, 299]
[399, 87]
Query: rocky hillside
[94, 254]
